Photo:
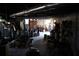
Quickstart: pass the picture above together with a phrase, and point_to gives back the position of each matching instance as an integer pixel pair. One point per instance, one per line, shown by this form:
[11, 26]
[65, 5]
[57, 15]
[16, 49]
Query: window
[26, 21]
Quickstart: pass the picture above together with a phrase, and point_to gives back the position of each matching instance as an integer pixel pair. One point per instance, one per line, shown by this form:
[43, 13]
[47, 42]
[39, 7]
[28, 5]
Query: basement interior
[39, 29]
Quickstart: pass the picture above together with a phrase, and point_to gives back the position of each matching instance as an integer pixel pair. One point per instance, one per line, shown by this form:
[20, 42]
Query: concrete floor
[40, 44]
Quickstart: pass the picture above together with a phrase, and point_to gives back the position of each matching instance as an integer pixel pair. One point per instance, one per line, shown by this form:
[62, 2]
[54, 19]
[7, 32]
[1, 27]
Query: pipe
[34, 9]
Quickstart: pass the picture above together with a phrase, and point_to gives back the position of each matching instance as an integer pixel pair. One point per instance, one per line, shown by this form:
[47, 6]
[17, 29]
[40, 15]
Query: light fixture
[8, 22]
[30, 19]
[54, 21]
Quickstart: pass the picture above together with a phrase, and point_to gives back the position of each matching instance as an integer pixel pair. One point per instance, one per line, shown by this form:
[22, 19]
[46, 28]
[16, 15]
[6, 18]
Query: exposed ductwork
[34, 9]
